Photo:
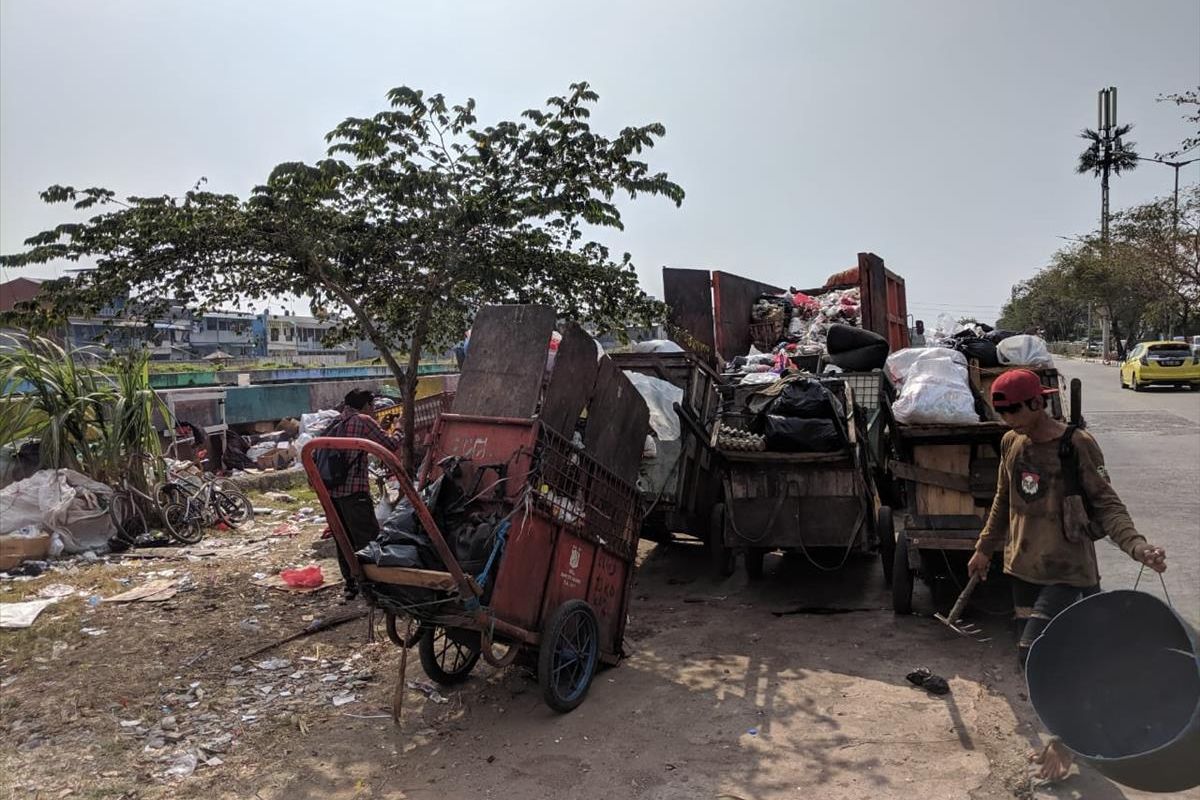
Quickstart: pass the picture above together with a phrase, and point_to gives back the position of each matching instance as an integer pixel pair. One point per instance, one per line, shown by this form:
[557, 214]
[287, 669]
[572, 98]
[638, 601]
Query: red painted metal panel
[521, 581]
[570, 572]
[488, 446]
[608, 595]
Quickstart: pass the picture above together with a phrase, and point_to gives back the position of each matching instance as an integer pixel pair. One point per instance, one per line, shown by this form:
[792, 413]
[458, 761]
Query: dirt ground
[721, 695]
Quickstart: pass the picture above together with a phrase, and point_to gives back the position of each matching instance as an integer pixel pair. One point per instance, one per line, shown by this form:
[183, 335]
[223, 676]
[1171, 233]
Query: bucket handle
[1161, 580]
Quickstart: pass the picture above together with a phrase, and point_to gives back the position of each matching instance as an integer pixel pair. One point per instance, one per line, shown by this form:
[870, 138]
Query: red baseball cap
[1017, 386]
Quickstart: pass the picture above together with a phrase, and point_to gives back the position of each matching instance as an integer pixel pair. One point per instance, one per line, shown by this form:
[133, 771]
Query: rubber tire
[429, 660]
[1121, 378]
[902, 577]
[393, 631]
[885, 531]
[181, 527]
[233, 508]
[754, 562]
[127, 518]
[721, 559]
[1137, 387]
[548, 649]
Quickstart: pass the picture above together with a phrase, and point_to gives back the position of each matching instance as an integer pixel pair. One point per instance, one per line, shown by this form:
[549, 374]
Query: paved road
[1151, 443]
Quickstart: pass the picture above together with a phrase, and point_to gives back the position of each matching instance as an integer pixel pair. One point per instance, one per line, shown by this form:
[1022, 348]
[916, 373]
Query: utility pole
[1106, 115]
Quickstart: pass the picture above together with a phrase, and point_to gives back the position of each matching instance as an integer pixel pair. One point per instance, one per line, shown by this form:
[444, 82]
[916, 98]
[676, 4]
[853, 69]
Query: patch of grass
[302, 496]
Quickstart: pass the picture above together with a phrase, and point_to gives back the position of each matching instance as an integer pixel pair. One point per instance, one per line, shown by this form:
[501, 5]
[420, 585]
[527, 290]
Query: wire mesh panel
[572, 488]
[865, 386]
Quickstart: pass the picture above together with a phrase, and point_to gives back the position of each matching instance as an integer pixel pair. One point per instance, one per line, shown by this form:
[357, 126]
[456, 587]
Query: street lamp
[1175, 165]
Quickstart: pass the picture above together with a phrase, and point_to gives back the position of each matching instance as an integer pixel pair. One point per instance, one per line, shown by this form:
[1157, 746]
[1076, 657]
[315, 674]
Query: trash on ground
[303, 577]
[429, 690]
[22, 615]
[934, 684]
[151, 592]
[56, 590]
[273, 664]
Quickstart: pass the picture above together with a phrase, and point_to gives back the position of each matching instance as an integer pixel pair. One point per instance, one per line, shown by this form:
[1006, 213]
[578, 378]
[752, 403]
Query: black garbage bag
[797, 435]
[861, 359]
[999, 335]
[473, 544]
[805, 398]
[981, 350]
[845, 338]
[392, 555]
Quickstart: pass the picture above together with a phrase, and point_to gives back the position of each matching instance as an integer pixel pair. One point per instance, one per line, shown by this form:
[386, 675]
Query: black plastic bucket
[1117, 677]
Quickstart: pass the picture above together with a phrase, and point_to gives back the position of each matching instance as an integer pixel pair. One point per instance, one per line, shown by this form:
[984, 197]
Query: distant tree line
[1147, 279]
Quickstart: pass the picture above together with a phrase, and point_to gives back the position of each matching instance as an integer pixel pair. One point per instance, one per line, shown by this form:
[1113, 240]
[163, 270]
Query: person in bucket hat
[1053, 500]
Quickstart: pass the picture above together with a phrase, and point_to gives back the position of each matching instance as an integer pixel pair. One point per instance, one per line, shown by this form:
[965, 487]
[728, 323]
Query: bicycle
[206, 501]
[127, 516]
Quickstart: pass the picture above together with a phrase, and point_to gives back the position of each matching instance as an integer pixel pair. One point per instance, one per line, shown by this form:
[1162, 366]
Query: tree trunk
[365, 322]
[409, 389]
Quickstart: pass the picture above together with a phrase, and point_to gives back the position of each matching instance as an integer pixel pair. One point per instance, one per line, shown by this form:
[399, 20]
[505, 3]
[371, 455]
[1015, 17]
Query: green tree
[1189, 100]
[417, 217]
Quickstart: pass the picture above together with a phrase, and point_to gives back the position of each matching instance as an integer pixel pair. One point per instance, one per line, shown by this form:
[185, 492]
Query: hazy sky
[940, 135]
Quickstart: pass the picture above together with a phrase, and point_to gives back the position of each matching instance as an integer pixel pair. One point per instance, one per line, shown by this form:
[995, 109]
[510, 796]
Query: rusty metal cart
[562, 523]
[678, 484]
[943, 480]
[793, 501]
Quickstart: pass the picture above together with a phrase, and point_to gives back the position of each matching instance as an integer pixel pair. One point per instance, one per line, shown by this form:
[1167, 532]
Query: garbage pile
[796, 329]
[933, 383]
[798, 414]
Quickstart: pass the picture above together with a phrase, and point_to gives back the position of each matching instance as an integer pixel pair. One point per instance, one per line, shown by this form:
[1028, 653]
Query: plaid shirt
[353, 424]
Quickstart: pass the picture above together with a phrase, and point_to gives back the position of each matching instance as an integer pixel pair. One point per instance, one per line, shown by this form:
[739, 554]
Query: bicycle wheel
[232, 507]
[182, 525]
[167, 492]
[126, 517]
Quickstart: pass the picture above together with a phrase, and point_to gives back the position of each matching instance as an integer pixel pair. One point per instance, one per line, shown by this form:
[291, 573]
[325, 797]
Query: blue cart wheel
[569, 652]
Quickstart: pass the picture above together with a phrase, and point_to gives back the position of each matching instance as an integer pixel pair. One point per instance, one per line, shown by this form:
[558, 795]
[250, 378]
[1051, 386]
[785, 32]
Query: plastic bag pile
[935, 388]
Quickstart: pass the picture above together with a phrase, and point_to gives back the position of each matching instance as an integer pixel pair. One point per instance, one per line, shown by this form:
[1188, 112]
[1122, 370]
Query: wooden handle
[961, 603]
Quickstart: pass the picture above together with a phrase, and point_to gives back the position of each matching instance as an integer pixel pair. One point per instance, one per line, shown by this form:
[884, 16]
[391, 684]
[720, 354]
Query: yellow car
[1166, 363]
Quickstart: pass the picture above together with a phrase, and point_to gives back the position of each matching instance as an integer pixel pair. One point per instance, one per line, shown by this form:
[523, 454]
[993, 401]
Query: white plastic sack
[62, 501]
[656, 346]
[315, 423]
[758, 378]
[257, 451]
[936, 390]
[661, 397]
[1025, 351]
[900, 362]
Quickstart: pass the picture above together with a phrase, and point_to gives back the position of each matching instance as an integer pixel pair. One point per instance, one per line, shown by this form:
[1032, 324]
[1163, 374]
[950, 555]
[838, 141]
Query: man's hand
[978, 565]
[1153, 557]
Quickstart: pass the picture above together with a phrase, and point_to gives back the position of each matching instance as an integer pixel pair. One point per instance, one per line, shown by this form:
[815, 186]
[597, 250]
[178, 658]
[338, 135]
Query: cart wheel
[754, 562]
[902, 577]
[886, 533]
[445, 660]
[721, 558]
[394, 633]
[568, 655]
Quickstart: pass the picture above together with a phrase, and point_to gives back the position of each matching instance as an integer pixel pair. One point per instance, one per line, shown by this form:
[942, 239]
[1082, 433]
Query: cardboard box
[16, 549]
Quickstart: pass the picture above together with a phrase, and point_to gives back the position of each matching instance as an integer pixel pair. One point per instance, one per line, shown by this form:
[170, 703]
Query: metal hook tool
[954, 622]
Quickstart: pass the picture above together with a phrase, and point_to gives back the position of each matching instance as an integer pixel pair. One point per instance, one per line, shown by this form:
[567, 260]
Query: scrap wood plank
[150, 592]
[952, 459]
[408, 576]
[933, 477]
[618, 422]
[506, 362]
[571, 383]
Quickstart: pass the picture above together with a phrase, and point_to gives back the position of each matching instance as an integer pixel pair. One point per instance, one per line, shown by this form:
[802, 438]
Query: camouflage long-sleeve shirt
[1027, 513]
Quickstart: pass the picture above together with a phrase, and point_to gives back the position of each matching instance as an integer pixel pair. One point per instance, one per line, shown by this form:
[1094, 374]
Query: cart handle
[308, 457]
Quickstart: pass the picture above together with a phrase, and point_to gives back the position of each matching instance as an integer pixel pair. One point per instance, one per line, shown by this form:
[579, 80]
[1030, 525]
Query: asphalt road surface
[1151, 444]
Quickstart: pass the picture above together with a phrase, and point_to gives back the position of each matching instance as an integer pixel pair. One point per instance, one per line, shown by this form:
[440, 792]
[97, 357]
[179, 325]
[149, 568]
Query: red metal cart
[556, 583]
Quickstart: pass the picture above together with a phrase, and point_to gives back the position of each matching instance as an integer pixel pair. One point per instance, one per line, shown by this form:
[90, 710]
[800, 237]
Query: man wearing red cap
[1051, 492]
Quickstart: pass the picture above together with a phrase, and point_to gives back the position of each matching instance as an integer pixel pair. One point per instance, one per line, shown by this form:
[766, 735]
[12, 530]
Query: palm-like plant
[1121, 154]
[86, 418]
